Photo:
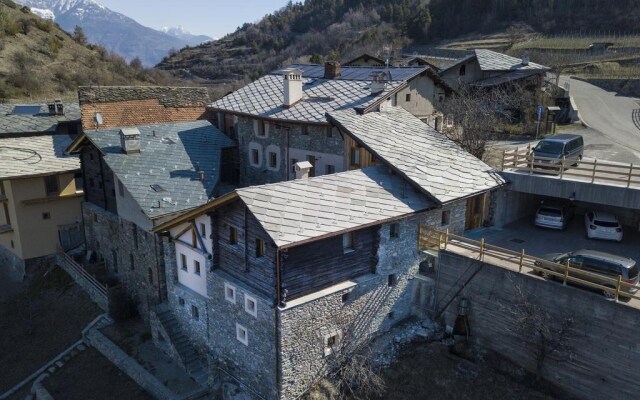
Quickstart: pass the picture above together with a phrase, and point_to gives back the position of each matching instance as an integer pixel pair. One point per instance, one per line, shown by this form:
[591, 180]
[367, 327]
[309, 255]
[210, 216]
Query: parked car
[596, 267]
[602, 225]
[554, 216]
[550, 151]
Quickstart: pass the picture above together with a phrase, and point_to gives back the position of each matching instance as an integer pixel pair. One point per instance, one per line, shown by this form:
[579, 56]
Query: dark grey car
[553, 149]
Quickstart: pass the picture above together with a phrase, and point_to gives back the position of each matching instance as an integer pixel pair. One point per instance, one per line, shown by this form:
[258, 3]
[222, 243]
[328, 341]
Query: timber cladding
[318, 265]
[605, 351]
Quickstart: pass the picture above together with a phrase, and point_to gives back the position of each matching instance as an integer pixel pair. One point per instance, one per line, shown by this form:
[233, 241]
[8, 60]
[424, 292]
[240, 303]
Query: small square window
[260, 250]
[242, 334]
[196, 267]
[250, 305]
[181, 301]
[273, 159]
[203, 230]
[329, 169]
[183, 262]
[233, 235]
[195, 313]
[345, 297]
[46, 215]
[347, 242]
[394, 230]
[51, 184]
[332, 342]
[305, 130]
[255, 157]
[446, 217]
[329, 132]
[391, 280]
[408, 97]
[230, 293]
[260, 128]
[355, 156]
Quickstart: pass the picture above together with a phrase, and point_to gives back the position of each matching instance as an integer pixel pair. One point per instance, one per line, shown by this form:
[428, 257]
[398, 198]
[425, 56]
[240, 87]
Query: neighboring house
[279, 119]
[137, 174]
[40, 187]
[437, 63]
[487, 68]
[293, 268]
[365, 60]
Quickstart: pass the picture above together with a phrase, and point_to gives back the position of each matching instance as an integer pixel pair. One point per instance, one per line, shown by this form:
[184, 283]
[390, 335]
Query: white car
[602, 225]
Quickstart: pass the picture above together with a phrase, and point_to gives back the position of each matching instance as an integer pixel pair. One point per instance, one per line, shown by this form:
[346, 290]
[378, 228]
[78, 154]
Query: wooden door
[475, 212]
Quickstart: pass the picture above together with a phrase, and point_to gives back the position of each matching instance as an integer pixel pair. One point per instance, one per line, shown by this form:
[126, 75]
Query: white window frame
[231, 299]
[328, 350]
[273, 149]
[247, 300]
[258, 147]
[242, 334]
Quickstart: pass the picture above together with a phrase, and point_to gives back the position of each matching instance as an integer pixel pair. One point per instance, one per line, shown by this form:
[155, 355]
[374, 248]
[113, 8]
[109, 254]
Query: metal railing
[627, 175]
[431, 239]
[69, 262]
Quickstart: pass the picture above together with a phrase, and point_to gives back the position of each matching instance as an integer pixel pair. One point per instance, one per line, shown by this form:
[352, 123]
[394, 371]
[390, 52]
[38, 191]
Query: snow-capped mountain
[185, 35]
[111, 29]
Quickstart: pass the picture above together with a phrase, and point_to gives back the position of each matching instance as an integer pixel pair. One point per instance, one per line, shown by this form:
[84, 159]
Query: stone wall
[604, 350]
[624, 87]
[95, 290]
[457, 217]
[134, 256]
[289, 142]
[12, 263]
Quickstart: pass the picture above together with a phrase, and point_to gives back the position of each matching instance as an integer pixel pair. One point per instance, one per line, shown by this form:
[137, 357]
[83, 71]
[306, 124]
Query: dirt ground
[430, 372]
[91, 376]
[38, 323]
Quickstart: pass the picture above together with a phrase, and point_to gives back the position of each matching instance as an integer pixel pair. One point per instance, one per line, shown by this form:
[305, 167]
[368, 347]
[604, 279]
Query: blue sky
[213, 18]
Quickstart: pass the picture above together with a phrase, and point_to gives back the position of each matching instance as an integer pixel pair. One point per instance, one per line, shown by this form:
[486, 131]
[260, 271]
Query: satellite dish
[98, 118]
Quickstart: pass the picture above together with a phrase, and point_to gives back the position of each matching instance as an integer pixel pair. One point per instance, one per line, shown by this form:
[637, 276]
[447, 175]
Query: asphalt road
[611, 116]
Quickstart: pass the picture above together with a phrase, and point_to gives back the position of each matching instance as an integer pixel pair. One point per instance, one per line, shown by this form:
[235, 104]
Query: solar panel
[26, 110]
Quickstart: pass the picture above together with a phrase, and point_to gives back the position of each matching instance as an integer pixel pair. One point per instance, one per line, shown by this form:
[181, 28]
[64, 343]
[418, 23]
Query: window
[331, 342]
[242, 334]
[391, 280]
[195, 313]
[230, 293]
[463, 70]
[255, 157]
[150, 275]
[407, 97]
[355, 156]
[194, 238]
[120, 188]
[181, 301]
[233, 235]
[347, 242]
[196, 267]
[394, 230]
[132, 262]
[345, 297]
[46, 215]
[259, 248]
[250, 305]
[183, 262]
[293, 165]
[273, 159]
[305, 130]
[114, 256]
[329, 169]
[329, 132]
[78, 181]
[446, 217]
[260, 128]
[203, 230]
[51, 185]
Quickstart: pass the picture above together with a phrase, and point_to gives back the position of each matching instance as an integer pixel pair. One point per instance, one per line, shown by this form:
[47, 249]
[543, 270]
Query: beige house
[40, 196]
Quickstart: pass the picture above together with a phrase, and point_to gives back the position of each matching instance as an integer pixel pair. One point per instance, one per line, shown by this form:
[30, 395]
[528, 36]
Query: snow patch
[43, 13]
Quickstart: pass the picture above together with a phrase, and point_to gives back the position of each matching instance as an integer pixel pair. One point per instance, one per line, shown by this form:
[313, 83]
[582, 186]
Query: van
[553, 149]
[597, 267]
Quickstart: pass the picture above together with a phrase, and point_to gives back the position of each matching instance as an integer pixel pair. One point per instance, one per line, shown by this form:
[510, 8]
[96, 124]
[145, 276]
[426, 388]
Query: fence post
[446, 238]
[481, 249]
[618, 287]
[530, 159]
[521, 260]
[439, 241]
[630, 173]
[562, 167]
[504, 152]
[593, 175]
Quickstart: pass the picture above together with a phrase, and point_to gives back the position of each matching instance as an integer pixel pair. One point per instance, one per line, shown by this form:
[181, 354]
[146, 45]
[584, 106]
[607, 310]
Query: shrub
[54, 45]
[25, 25]
[44, 25]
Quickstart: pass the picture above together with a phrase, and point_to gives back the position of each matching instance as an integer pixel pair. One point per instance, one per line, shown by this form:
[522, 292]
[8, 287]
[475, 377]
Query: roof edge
[196, 212]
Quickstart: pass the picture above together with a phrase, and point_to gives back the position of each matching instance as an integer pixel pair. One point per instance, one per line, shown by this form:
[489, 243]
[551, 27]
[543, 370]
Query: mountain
[40, 61]
[181, 33]
[113, 30]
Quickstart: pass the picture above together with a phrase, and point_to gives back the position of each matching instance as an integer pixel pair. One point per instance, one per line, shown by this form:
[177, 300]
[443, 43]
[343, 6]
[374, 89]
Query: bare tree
[548, 337]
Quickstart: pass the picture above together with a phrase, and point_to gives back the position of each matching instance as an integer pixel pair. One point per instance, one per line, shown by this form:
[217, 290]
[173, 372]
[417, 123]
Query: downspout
[277, 326]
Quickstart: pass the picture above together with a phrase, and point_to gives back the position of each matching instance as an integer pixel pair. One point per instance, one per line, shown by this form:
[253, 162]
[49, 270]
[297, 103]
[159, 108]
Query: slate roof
[504, 78]
[173, 166]
[305, 209]
[493, 61]
[438, 165]
[264, 97]
[37, 122]
[22, 157]
[439, 63]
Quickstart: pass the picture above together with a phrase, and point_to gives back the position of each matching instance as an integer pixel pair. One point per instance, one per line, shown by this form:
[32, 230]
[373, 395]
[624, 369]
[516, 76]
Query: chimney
[332, 70]
[377, 82]
[130, 140]
[292, 87]
[59, 107]
[525, 60]
[302, 169]
[439, 123]
[52, 108]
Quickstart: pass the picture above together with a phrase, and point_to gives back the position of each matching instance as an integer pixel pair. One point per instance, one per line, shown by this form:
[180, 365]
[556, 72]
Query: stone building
[40, 186]
[294, 269]
[279, 119]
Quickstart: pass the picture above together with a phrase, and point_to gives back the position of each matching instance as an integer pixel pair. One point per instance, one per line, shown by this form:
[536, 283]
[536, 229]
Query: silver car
[602, 225]
[553, 216]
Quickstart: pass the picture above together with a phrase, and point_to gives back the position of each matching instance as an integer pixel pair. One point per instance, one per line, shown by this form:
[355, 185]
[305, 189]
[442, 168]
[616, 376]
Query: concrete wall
[512, 206]
[424, 96]
[472, 74]
[604, 351]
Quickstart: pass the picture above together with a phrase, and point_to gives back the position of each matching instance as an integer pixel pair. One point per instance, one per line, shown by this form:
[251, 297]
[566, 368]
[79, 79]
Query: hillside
[113, 30]
[40, 61]
[318, 30]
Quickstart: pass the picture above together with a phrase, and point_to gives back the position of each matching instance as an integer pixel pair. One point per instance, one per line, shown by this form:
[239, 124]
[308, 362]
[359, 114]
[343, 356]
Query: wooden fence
[430, 239]
[81, 276]
[627, 175]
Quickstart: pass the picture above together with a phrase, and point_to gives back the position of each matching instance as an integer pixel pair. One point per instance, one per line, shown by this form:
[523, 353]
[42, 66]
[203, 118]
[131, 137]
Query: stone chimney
[130, 140]
[292, 87]
[332, 70]
[56, 108]
[302, 169]
[378, 81]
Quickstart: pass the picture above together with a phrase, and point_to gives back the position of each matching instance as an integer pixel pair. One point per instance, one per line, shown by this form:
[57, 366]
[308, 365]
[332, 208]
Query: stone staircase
[195, 366]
